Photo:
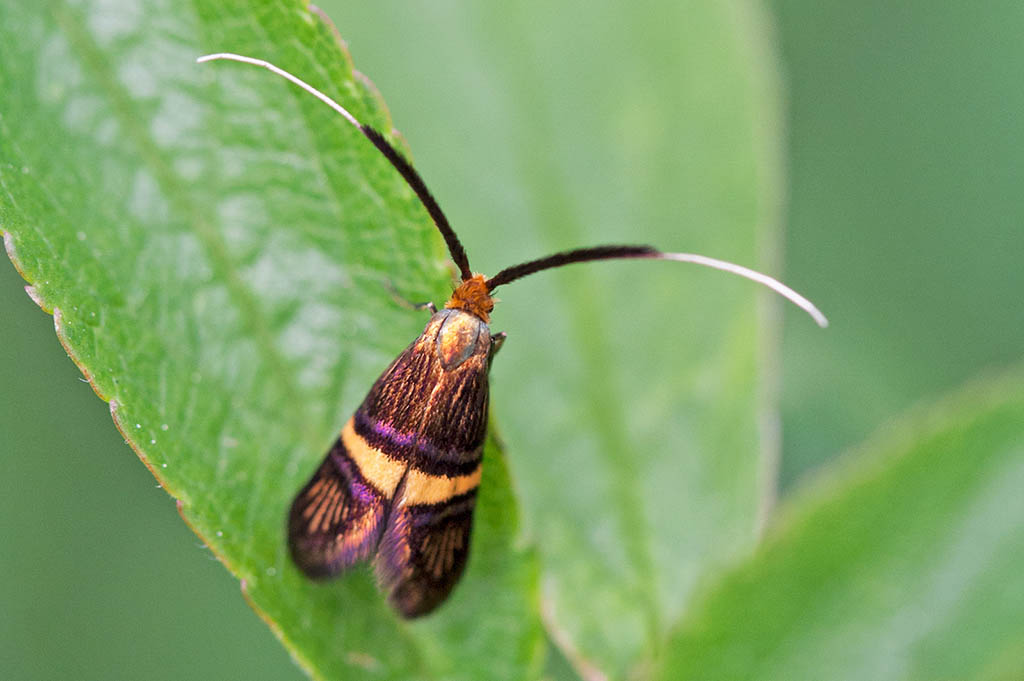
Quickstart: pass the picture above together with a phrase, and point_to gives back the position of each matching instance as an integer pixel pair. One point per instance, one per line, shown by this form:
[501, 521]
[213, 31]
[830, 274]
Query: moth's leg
[429, 305]
[408, 304]
[497, 340]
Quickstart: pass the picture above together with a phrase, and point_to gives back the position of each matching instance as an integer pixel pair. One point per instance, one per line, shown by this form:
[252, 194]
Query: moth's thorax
[472, 296]
[459, 336]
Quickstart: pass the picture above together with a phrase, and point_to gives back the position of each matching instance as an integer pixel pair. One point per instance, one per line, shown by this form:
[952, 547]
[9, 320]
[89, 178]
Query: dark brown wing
[440, 434]
[401, 480]
[427, 414]
[336, 520]
[423, 552]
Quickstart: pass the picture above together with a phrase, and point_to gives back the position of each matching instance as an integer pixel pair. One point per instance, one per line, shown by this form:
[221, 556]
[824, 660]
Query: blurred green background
[904, 222]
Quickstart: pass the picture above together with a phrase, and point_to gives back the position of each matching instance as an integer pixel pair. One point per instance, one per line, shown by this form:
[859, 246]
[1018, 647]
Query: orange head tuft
[473, 297]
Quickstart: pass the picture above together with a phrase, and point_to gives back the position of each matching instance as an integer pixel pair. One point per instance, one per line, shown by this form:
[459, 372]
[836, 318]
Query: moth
[399, 485]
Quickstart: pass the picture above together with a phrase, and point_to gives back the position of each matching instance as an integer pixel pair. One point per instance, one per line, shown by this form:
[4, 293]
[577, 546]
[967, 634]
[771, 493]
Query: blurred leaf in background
[637, 400]
[906, 216]
[902, 563]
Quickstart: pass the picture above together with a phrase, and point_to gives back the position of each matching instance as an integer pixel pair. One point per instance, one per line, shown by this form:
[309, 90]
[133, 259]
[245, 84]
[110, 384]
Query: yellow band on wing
[423, 488]
[375, 466]
[385, 473]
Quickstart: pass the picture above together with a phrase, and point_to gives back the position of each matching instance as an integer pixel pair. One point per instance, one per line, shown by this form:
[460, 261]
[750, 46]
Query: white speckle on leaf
[287, 265]
[107, 132]
[163, 465]
[220, 533]
[113, 19]
[185, 251]
[311, 338]
[147, 200]
[188, 167]
[138, 425]
[152, 441]
[56, 71]
[177, 120]
[81, 237]
[245, 216]
[164, 426]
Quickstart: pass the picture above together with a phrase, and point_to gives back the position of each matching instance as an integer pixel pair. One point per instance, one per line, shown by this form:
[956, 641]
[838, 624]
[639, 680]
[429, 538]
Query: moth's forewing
[423, 551]
[405, 471]
[336, 520]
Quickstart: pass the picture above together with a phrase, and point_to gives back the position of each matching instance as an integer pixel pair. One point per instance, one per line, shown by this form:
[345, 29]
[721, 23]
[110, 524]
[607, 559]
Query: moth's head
[474, 297]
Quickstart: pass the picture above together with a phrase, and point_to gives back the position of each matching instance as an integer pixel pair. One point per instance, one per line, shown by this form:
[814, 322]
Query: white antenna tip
[763, 279]
[284, 74]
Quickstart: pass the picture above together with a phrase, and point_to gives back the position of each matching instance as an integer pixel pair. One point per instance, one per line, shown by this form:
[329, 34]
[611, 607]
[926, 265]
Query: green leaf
[904, 563]
[216, 248]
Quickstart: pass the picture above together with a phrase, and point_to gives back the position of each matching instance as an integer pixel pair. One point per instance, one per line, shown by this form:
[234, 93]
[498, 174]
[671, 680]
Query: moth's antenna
[400, 163]
[510, 274]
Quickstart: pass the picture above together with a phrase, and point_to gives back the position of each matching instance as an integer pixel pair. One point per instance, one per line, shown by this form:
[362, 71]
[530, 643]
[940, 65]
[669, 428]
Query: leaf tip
[9, 245]
[33, 293]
